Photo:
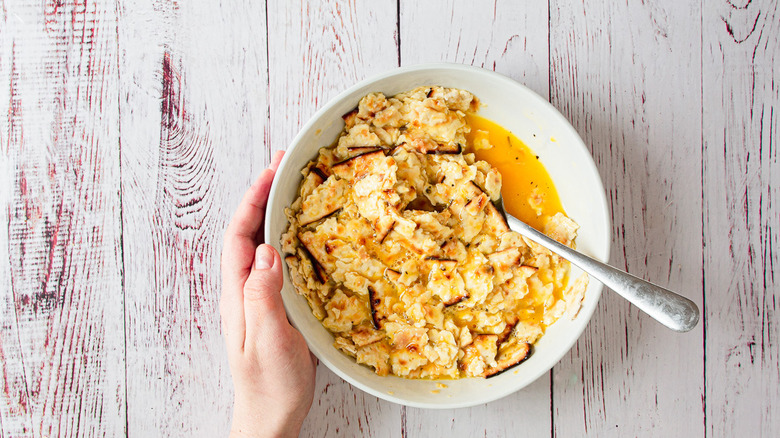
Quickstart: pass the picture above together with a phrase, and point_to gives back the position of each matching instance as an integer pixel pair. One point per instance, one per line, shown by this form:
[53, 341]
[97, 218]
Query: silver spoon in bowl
[670, 309]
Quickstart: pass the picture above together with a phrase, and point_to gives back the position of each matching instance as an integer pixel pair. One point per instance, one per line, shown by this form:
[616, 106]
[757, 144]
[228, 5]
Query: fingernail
[264, 257]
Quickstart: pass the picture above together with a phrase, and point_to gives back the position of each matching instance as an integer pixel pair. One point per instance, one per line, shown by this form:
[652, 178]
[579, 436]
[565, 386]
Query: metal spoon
[670, 309]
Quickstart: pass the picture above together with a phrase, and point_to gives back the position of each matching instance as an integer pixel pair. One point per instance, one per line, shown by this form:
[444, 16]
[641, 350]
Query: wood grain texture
[510, 38]
[524, 413]
[741, 105]
[61, 343]
[628, 77]
[507, 37]
[316, 50]
[193, 122]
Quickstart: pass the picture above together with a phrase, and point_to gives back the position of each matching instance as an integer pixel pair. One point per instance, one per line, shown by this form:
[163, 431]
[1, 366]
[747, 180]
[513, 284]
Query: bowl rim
[590, 163]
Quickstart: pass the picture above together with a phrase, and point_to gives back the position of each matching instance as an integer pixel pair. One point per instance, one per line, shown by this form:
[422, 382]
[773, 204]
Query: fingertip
[277, 158]
[265, 176]
[265, 257]
[264, 284]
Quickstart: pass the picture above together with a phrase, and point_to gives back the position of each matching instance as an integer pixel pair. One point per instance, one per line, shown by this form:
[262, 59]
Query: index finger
[240, 237]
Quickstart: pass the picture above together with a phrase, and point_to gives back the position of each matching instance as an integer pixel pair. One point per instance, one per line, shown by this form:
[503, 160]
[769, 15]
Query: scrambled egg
[401, 254]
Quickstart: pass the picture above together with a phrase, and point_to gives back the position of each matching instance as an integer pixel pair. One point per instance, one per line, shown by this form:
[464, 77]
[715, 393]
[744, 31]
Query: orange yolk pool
[527, 190]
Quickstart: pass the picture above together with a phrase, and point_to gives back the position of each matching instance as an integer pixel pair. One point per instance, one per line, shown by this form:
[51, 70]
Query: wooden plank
[507, 37]
[628, 76]
[61, 336]
[741, 106]
[510, 38]
[193, 117]
[315, 50]
[318, 49]
[341, 410]
[524, 413]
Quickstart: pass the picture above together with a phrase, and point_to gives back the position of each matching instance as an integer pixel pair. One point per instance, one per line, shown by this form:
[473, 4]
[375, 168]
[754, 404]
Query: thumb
[262, 292]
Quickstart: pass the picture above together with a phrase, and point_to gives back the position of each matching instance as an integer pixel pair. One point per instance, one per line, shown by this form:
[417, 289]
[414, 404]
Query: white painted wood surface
[741, 217]
[611, 77]
[130, 129]
[61, 334]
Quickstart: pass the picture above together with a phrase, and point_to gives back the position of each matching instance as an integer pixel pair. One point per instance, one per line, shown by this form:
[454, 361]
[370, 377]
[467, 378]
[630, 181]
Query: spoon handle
[670, 309]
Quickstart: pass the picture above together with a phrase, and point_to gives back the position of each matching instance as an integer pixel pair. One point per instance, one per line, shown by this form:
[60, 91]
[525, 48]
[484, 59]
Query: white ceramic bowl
[570, 166]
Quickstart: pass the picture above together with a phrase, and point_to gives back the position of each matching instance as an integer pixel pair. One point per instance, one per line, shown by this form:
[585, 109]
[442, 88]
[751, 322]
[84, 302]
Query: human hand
[273, 371]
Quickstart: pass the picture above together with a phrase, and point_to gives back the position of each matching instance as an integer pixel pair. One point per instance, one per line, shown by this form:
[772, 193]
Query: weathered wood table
[129, 129]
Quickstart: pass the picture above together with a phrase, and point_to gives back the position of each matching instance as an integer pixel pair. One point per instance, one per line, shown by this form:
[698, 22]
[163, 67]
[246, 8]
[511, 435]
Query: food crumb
[481, 140]
[441, 385]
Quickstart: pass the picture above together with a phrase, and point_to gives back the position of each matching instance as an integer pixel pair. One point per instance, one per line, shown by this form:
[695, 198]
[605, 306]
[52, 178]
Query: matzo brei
[396, 244]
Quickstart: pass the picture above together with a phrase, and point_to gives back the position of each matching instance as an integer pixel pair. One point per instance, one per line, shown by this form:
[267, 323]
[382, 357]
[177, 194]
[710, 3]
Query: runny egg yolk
[527, 190]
